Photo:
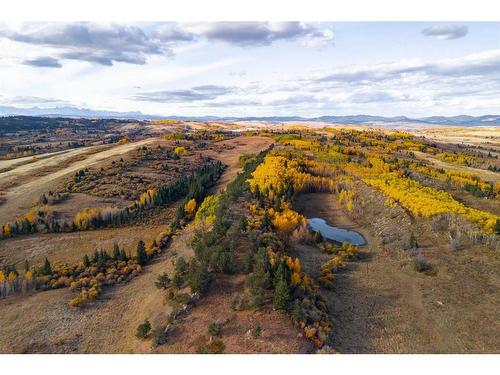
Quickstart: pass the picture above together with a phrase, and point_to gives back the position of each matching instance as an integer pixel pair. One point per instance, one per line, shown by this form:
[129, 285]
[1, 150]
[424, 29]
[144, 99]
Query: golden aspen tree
[7, 232]
[190, 207]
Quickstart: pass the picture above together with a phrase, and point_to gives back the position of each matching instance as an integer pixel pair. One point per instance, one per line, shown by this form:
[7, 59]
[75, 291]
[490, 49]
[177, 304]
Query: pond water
[336, 234]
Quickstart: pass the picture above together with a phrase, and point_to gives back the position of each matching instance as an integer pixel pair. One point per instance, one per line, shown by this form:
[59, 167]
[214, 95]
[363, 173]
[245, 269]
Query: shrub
[200, 349]
[318, 238]
[247, 265]
[178, 280]
[143, 330]
[181, 265]
[234, 303]
[216, 347]
[421, 264]
[214, 329]
[258, 298]
[455, 243]
[159, 337]
[413, 243]
[256, 332]
[163, 281]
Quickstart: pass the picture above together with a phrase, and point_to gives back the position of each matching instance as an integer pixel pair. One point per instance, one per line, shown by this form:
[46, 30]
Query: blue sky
[254, 68]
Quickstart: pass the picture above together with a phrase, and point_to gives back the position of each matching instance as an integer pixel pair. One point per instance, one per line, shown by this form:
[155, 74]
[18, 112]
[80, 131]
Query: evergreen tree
[297, 311]
[282, 273]
[199, 278]
[177, 281]
[123, 255]
[46, 268]
[86, 260]
[116, 251]
[266, 221]
[247, 262]
[26, 265]
[143, 329]
[413, 241]
[95, 257]
[141, 257]
[162, 282]
[281, 295]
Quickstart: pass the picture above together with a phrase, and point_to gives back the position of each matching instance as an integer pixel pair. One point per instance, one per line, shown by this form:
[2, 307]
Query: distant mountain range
[74, 112]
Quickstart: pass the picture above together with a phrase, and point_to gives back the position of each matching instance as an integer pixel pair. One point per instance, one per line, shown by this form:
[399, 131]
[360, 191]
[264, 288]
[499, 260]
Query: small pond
[336, 234]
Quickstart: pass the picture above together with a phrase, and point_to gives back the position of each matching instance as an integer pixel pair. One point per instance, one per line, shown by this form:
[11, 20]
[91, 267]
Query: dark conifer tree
[86, 260]
[141, 257]
[46, 268]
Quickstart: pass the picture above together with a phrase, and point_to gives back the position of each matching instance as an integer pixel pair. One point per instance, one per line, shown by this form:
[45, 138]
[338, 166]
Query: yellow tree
[7, 232]
[190, 207]
[180, 150]
[2, 283]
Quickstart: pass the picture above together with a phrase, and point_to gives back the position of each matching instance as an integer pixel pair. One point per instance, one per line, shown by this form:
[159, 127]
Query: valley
[192, 237]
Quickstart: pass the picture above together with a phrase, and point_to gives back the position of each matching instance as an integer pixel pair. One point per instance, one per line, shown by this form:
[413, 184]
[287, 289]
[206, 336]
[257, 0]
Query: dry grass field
[29, 181]
[381, 305]
[43, 322]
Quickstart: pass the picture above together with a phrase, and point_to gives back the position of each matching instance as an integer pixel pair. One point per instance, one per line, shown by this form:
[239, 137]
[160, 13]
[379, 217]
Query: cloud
[446, 32]
[173, 33]
[43, 62]
[96, 43]
[480, 64]
[260, 33]
[198, 93]
[374, 97]
[36, 101]
[240, 73]
[106, 44]
[318, 38]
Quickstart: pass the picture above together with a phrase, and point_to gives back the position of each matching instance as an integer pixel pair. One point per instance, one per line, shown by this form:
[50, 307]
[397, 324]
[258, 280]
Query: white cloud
[481, 64]
[97, 43]
[106, 44]
[446, 32]
[260, 33]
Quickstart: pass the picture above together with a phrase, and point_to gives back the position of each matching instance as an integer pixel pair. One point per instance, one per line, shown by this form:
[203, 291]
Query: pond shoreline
[336, 234]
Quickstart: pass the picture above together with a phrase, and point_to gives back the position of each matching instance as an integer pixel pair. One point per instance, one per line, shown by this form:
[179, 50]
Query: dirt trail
[483, 173]
[50, 161]
[20, 198]
[11, 163]
[381, 305]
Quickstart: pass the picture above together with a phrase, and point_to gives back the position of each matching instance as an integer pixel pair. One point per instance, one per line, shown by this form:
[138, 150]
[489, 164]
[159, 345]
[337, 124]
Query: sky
[414, 69]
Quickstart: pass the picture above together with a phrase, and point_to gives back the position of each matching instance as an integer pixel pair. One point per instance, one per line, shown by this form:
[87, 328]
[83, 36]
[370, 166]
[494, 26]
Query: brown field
[71, 247]
[43, 322]
[381, 305]
[278, 334]
[11, 163]
[20, 198]
[485, 136]
[234, 149]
